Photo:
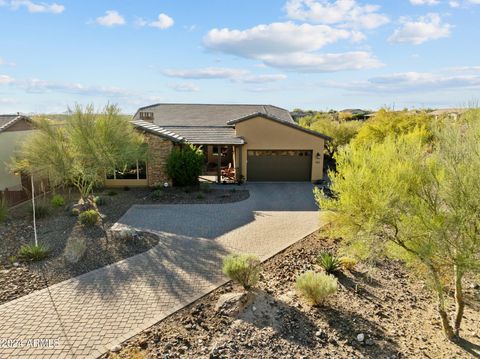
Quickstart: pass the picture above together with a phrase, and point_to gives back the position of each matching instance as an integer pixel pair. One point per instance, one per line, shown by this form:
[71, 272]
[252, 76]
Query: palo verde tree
[417, 200]
[81, 150]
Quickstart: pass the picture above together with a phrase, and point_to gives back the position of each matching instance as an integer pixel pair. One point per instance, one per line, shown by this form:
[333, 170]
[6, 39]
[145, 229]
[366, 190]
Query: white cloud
[33, 7]
[184, 87]
[425, 2]
[344, 12]
[276, 38]
[466, 78]
[329, 62]
[235, 75]
[111, 18]
[163, 22]
[425, 28]
[454, 4]
[291, 46]
[5, 79]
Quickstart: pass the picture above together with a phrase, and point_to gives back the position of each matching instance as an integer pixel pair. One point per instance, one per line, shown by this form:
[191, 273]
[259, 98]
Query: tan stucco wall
[264, 134]
[9, 142]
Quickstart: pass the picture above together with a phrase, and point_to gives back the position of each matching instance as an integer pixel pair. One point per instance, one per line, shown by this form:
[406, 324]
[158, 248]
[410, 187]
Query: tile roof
[204, 135]
[157, 130]
[8, 120]
[166, 114]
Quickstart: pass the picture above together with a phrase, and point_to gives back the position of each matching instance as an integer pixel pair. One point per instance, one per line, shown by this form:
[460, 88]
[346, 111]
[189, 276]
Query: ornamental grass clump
[328, 262]
[243, 269]
[32, 252]
[316, 287]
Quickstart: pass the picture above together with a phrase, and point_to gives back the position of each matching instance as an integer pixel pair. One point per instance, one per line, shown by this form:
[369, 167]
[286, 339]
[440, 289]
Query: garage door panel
[279, 165]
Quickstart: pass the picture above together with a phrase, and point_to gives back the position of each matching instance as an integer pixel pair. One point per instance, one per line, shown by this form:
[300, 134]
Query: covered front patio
[222, 163]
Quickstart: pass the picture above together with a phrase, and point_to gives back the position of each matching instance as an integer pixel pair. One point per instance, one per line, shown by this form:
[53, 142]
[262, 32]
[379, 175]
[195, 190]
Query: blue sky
[312, 54]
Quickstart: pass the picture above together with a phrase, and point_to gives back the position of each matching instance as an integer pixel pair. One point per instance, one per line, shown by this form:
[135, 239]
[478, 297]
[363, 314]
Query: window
[136, 171]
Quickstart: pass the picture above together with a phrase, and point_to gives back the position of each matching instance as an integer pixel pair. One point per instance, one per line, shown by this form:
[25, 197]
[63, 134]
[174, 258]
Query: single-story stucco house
[14, 129]
[255, 142]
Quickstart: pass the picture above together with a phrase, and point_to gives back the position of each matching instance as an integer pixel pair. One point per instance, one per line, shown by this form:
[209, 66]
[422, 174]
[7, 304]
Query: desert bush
[75, 212]
[32, 252]
[42, 209]
[100, 201]
[416, 198]
[200, 195]
[184, 165]
[348, 263]
[242, 268]
[3, 209]
[316, 287]
[74, 250]
[329, 262]
[57, 201]
[88, 218]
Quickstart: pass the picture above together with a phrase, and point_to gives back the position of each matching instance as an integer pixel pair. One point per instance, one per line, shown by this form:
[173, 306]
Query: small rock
[254, 308]
[318, 334]
[369, 342]
[116, 349]
[361, 337]
[16, 264]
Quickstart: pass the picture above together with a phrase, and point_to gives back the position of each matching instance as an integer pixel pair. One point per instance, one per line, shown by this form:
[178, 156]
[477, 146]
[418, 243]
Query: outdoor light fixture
[318, 155]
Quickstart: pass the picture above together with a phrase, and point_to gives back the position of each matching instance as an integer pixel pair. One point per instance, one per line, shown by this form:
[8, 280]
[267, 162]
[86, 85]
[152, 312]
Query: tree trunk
[447, 328]
[459, 301]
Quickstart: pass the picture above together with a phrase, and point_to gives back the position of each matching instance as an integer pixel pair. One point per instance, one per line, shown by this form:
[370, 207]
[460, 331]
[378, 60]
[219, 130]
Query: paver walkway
[85, 316]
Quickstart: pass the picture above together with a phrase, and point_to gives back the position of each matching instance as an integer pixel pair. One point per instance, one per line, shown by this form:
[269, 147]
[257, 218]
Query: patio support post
[219, 165]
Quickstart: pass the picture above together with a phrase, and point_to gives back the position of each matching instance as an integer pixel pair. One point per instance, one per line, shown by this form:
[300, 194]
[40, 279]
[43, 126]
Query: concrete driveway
[85, 316]
[273, 217]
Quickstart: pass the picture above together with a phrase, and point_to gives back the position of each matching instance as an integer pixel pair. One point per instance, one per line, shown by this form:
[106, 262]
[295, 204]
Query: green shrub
[200, 195]
[58, 201]
[328, 262]
[126, 188]
[75, 212]
[111, 193]
[316, 287]
[33, 252]
[157, 194]
[242, 268]
[348, 263]
[100, 201]
[89, 218]
[42, 210]
[184, 165]
[3, 209]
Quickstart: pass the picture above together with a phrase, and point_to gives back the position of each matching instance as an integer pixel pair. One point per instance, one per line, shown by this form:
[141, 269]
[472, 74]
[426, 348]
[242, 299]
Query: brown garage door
[279, 165]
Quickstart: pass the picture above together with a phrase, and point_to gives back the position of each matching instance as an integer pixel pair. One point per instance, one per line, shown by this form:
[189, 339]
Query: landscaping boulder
[232, 304]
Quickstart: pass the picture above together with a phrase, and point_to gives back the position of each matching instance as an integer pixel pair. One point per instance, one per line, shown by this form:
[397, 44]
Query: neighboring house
[453, 113]
[256, 142]
[13, 131]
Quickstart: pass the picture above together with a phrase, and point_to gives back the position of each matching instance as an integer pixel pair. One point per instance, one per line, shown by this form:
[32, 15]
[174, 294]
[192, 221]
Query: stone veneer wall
[158, 150]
